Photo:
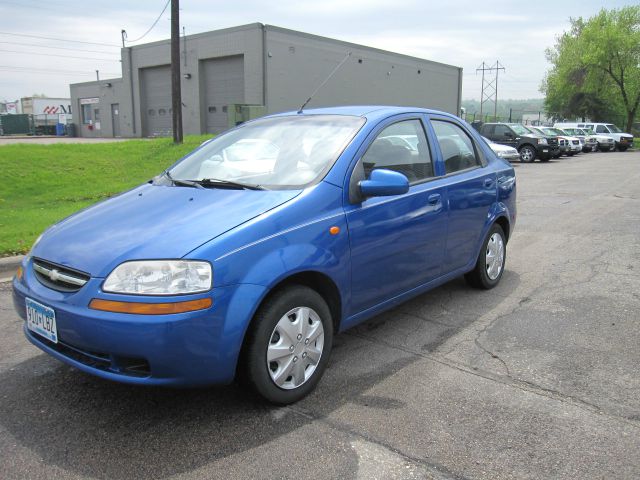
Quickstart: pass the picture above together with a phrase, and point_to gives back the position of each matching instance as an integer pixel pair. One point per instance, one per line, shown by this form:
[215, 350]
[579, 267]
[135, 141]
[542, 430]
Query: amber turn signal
[150, 308]
[334, 230]
[19, 273]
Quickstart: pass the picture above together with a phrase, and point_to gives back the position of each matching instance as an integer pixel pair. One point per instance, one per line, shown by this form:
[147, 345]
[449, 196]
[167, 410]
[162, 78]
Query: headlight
[28, 256]
[542, 141]
[160, 277]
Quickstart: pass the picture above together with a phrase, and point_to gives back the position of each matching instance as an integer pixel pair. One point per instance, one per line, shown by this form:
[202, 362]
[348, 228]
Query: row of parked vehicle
[513, 141]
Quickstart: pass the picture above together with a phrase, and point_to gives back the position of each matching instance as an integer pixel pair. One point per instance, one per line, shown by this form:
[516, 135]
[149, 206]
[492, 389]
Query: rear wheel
[622, 148]
[527, 154]
[490, 264]
[288, 345]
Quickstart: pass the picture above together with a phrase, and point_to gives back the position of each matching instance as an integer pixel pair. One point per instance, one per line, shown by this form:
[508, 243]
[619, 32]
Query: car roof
[371, 112]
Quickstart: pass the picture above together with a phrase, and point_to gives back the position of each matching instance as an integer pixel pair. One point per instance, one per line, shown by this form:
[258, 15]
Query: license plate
[41, 320]
[544, 150]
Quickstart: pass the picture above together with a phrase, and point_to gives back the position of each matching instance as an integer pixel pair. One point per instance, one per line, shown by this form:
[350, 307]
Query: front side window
[401, 147]
[280, 152]
[458, 151]
[502, 130]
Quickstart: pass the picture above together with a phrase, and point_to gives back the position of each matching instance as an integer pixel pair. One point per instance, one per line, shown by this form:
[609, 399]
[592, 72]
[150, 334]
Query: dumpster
[60, 129]
[71, 130]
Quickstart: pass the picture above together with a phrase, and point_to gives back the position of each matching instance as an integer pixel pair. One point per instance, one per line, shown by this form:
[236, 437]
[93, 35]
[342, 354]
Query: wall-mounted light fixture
[187, 76]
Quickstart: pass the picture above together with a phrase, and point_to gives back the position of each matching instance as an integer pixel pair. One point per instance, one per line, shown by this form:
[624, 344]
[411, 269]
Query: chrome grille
[58, 277]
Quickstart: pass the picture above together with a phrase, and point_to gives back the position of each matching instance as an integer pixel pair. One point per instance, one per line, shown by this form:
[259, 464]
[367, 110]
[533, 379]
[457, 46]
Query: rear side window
[401, 147]
[458, 150]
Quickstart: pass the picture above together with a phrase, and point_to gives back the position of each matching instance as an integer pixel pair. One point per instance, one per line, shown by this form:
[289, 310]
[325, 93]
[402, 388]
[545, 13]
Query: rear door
[471, 191]
[397, 242]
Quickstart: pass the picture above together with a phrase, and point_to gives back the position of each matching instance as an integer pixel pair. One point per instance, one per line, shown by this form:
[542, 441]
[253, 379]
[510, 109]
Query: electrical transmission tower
[489, 85]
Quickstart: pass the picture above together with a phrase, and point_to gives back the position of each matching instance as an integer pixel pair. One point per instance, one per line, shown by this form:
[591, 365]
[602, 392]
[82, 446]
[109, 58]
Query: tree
[596, 67]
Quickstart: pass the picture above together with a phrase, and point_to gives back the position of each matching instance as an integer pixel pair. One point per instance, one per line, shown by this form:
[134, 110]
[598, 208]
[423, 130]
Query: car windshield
[280, 152]
[552, 131]
[520, 129]
[612, 128]
[572, 131]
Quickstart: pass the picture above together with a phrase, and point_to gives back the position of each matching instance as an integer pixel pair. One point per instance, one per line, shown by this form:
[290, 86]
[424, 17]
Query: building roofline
[96, 82]
[274, 28]
[355, 45]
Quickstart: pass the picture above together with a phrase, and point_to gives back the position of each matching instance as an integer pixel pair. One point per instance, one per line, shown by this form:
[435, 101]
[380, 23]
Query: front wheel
[527, 154]
[490, 264]
[288, 345]
[622, 148]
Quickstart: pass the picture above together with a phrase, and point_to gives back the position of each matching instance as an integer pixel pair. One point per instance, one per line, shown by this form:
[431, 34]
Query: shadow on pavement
[93, 427]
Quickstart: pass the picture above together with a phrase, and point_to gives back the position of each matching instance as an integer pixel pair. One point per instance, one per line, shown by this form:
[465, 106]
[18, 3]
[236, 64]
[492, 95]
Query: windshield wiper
[185, 183]
[217, 182]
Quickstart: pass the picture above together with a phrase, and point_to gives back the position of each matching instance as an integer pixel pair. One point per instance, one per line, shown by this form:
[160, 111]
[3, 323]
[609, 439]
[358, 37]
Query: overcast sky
[461, 33]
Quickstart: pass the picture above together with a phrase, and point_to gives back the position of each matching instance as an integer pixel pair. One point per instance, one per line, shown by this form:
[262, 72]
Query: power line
[151, 27]
[18, 68]
[60, 39]
[56, 48]
[63, 56]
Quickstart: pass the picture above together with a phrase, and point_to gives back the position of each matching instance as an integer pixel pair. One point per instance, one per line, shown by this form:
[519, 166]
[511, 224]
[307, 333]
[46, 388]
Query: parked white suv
[606, 141]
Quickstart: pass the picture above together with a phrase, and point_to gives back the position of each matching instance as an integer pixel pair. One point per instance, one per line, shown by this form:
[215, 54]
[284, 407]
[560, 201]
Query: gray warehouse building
[234, 74]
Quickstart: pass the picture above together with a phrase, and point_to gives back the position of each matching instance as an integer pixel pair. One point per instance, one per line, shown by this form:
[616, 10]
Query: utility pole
[176, 94]
[490, 85]
[97, 75]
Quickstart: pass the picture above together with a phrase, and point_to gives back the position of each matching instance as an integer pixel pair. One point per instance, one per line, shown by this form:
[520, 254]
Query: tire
[527, 154]
[486, 273]
[295, 327]
[603, 149]
[622, 149]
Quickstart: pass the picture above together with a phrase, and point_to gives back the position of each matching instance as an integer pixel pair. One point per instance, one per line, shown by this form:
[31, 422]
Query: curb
[8, 266]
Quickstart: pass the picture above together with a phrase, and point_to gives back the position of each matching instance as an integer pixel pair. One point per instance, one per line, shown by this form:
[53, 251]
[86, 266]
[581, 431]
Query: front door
[115, 119]
[397, 242]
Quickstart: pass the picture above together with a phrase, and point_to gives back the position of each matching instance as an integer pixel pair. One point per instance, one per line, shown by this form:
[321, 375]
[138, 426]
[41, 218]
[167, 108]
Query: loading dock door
[155, 91]
[223, 80]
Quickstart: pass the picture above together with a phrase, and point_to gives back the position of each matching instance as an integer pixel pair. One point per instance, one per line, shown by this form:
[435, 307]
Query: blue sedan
[245, 257]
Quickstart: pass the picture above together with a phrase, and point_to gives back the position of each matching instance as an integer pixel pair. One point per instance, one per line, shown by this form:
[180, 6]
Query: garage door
[155, 91]
[223, 80]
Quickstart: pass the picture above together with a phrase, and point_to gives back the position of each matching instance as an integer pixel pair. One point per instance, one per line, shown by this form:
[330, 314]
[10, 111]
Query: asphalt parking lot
[538, 378]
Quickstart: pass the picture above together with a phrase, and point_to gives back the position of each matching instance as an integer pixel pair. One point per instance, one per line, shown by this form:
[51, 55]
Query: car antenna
[325, 81]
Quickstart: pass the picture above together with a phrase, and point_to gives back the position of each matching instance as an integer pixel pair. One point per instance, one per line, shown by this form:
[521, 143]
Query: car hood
[151, 222]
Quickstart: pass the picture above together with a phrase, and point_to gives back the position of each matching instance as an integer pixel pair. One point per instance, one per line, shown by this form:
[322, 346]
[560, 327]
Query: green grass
[42, 184]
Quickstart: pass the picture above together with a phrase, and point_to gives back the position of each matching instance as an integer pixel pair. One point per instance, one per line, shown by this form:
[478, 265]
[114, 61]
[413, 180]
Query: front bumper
[546, 151]
[186, 349]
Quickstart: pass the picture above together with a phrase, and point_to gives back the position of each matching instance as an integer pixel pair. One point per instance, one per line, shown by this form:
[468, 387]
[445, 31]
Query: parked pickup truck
[622, 140]
[530, 145]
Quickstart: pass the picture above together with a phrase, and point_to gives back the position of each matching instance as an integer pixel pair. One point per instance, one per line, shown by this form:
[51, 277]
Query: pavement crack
[507, 380]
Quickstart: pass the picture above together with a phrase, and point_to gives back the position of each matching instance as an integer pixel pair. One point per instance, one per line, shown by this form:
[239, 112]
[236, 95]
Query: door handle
[488, 182]
[434, 199]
